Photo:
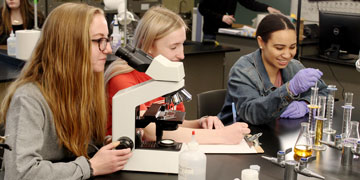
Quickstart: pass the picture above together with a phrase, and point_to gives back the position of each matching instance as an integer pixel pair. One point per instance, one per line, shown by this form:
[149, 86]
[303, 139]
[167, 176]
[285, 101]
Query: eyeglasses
[102, 42]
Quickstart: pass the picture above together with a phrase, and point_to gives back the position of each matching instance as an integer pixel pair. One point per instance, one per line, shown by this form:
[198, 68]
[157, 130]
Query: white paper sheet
[242, 148]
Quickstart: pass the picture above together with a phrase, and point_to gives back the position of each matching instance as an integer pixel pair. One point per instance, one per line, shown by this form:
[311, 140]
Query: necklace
[16, 22]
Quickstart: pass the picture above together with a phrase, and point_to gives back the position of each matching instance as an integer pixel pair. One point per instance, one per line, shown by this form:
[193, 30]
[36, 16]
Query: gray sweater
[36, 153]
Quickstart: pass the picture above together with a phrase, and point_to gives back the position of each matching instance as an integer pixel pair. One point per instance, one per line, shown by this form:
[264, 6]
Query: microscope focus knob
[125, 142]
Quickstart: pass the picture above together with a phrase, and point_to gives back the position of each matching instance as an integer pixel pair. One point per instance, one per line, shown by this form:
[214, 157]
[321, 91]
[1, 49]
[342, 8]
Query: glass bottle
[303, 143]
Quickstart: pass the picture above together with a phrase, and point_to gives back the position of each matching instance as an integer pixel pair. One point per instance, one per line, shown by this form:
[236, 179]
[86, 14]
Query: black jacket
[214, 10]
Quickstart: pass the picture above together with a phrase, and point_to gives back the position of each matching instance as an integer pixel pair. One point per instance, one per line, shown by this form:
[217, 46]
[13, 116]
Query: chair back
[209, 103]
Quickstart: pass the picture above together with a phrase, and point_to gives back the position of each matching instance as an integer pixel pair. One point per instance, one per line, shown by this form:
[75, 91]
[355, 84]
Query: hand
[208, 122]
[296, 109]
[234, 133]
[304, 79]
[108, 160]
[228, 19]
[272, 10]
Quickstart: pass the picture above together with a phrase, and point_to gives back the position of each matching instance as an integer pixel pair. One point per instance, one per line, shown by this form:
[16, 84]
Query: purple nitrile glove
[304, 79]
[295, 109]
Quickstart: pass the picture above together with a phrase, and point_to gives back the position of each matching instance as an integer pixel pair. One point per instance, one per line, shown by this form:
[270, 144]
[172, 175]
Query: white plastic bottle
[11, 44]
[192, 162]
[116, 36]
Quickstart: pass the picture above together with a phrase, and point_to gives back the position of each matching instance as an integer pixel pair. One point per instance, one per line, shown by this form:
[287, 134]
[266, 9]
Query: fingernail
[116, 143]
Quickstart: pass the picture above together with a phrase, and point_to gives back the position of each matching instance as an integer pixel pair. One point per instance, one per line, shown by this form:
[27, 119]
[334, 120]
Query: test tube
[330, 110]
[320, 118]
[314, 96]
[313, 106]
[347, 114]
[346, 120]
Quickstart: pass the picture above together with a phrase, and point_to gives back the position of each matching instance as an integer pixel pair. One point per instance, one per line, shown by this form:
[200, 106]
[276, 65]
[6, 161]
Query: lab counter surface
[278, 135]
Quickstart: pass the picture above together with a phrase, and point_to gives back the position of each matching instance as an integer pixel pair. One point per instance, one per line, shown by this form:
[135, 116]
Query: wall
[244, 16]
[310, 9]
[174, 5]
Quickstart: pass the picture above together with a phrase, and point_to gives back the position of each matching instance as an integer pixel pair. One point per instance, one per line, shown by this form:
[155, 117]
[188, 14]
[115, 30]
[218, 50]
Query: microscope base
[154, 161]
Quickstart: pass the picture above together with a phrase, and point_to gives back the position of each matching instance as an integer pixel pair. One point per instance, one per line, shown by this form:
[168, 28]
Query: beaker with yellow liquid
[303, 143]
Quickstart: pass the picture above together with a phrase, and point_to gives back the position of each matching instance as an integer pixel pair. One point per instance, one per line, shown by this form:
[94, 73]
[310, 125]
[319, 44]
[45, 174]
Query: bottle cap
[12, 34]
[116, 23]
[193, 145]
[249, 174]
[255, 167]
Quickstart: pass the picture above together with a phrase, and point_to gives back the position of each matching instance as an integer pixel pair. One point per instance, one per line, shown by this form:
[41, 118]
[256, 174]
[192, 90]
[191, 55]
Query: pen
[233, 112]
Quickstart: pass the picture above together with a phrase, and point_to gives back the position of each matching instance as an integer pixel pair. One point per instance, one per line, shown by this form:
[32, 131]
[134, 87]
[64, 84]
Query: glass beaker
[330, 110]
[320, 118]
[303, 143]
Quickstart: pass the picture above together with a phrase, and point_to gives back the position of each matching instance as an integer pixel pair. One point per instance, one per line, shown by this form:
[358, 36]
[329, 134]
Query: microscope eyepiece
[135, 57]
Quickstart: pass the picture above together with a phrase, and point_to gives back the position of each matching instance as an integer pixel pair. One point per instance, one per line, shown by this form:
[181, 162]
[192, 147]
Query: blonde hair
[156, 23]
[27, 15]
[61, 67]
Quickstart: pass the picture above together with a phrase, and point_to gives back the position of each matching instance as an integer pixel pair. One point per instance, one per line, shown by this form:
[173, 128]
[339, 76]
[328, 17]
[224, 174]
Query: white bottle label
[184, 172]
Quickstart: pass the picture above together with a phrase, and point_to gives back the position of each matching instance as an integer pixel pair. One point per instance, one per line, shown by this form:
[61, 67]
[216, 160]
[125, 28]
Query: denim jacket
[256, 99]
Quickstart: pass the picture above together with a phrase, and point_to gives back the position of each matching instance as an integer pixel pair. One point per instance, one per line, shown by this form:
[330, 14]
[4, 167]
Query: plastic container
[116, 36]
[255, 167]
[192, 162]
[249, 174]
[11, 45]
